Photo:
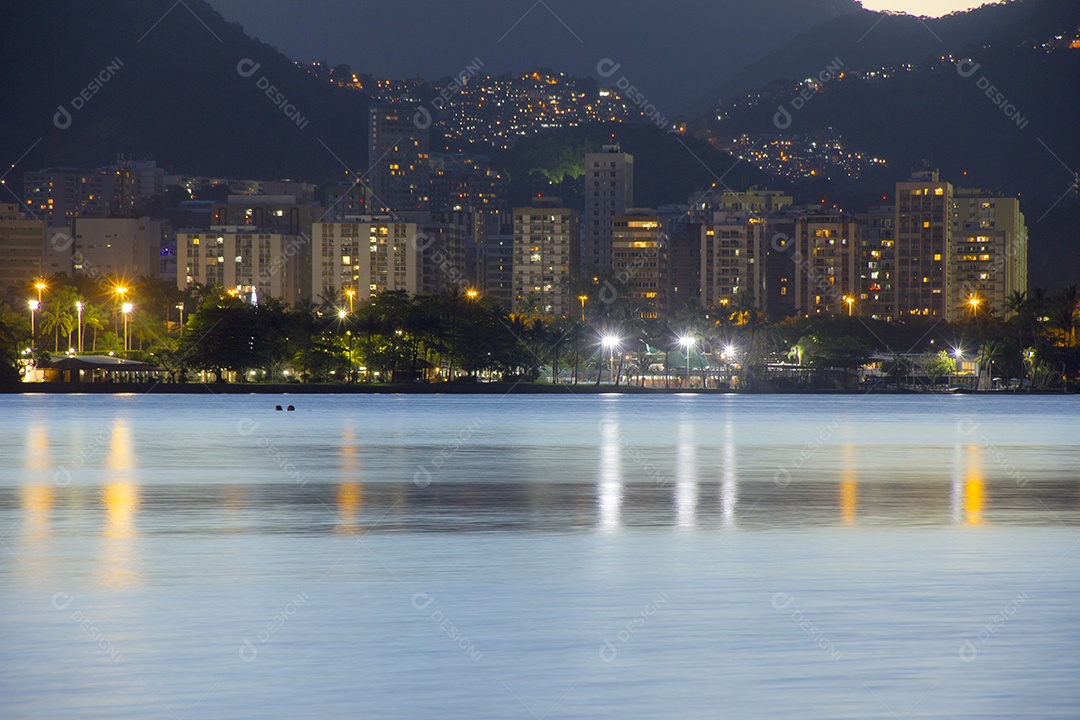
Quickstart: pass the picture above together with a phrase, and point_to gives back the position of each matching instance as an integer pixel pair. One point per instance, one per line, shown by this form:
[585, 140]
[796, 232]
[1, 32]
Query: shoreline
[448, 389]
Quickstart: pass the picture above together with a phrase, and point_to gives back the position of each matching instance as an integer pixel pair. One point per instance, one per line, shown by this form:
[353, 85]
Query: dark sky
[676, 52]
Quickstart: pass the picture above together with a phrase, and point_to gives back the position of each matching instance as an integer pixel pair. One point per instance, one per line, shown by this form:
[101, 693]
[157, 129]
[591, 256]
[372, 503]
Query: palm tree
[1065, 313]
[93, 319]
[56, 320]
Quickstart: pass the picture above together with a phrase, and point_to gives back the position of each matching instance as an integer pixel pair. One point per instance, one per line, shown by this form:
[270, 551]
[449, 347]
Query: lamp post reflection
[610, 490]
[686, 490]
[120, 497]
[849, 485]
[729, 496]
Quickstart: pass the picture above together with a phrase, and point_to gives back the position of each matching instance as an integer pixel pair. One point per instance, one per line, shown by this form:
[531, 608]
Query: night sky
[677, 52]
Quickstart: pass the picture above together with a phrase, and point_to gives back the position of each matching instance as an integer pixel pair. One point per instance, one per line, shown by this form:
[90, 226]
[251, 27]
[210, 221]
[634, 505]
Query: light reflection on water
[897, 527]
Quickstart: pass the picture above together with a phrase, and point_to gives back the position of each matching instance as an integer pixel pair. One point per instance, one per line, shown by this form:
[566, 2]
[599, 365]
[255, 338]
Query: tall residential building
[546, 257]
[780, 265]
[285, 214]
[22, 250]
[248, 261]
[877, 264]
[732, 254]
[827, 264]
[124, 248]
[372, 255]
[461, 181]
[495, 268]
[683, 265]
[989, 253]
[609, 191]
[639, 260]
[923, 227]
[400, 176]
[441, 246]
[58, 195]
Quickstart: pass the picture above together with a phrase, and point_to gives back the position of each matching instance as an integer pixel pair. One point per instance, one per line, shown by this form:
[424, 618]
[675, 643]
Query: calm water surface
[539, 556]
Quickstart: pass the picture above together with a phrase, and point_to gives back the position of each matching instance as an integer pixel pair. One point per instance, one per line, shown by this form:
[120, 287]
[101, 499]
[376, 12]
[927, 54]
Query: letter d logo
[247, 67]
[967, 68]
[62, 118]
[782, 118]
[607, 67]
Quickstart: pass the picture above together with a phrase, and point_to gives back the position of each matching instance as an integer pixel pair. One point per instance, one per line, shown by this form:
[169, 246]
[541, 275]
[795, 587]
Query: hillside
[174, 94]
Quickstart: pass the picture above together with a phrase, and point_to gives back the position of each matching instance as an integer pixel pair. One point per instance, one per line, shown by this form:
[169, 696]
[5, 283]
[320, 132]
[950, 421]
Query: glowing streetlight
[126, 308]
[610, 341]
[40, 286]
[342, 314]
[79, 308]
[180, 307]
[582, 298]
[34, 305]
[974, 303]
[472, 293]
[687, 342]
[350, 293]
[850, 304]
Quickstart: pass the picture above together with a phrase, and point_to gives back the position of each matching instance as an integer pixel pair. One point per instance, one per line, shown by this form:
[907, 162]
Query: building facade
[248, 261]
[732, 254]
[827, 264]
[609, 191]
[545, 257]
[638, 261]
[117, 247]
[22, 250]
[923, 228]
[399, 153]
[989, 253]
[877, 263]
[370, 256]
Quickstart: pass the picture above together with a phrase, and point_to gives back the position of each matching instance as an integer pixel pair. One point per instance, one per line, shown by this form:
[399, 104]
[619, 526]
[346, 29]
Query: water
[539, 556]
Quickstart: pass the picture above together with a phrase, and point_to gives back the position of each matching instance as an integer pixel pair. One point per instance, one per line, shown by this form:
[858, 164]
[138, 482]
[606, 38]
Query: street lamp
[180, 307]
[40, 286]
[79, 308]
[126, 308]
[34, 305]
[472, 293]
[850, 304]
[687, 342]
[610, 341]
[351, 294]
[582, 298]
[974, 303]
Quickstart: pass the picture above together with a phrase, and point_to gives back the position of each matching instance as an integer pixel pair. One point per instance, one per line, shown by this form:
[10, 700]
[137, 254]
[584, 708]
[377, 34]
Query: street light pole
[687, 342]
[180, 307]
[126, 308]
[79, 307]
[34, 305]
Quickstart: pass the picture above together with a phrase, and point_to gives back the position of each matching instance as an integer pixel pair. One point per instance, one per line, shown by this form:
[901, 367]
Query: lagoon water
[610, 556]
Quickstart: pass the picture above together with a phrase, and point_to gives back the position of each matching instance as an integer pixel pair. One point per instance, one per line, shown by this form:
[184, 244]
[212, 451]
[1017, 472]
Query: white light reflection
[686, 489]
[611, 489]
[729, 494]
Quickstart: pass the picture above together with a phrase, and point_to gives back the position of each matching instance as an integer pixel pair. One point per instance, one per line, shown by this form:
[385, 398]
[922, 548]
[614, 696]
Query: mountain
[670, 50]
[867, 39]
[171, 81]
[989, 97]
